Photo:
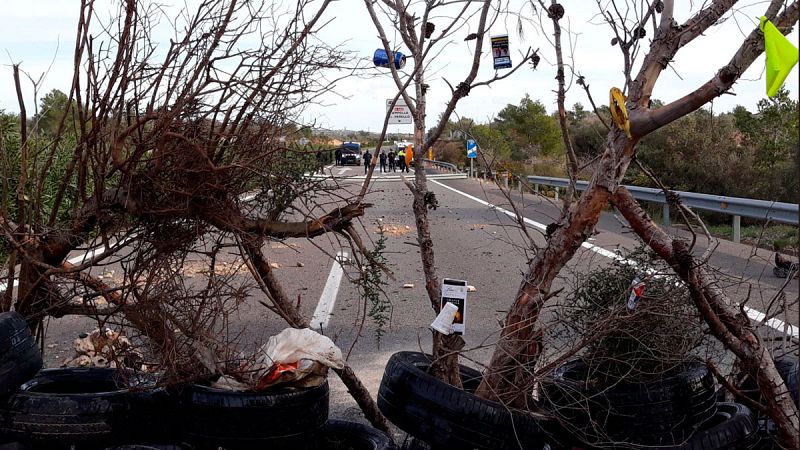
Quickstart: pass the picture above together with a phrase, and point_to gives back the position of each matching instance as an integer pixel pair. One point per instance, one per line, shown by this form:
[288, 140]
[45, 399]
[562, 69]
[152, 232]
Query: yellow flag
[781, 56]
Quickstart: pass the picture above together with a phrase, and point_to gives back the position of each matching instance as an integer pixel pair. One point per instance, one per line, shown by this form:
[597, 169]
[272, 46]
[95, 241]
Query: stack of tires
[451, 418]
[281, 418]
[97, 408]
[85, 408]
[678, 411]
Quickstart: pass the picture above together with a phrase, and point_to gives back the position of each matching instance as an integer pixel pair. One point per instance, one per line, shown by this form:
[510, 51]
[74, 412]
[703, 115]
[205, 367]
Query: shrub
[661, 332]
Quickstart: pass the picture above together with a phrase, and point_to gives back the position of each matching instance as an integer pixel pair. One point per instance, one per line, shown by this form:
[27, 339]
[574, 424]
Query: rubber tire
[661, 412]
[734, 427]
[20, 358]
[55, 410]
[787, 368]
[448, 417]
[150, 447]
[278, 418]
[343, 435]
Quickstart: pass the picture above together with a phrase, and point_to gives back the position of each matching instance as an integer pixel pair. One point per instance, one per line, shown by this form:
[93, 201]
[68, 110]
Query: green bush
[661, 333]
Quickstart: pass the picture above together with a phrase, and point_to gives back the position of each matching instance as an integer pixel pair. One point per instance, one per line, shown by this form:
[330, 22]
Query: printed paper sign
[400, 113]
[455, 292]
[502, 58]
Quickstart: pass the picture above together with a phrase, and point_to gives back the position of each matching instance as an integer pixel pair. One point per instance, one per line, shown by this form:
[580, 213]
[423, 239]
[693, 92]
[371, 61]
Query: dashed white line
[322, 314]
[753, 314]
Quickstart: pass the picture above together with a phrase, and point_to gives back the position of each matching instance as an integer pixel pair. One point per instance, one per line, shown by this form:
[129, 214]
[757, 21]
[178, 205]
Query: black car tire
[20, 358]
[279, 418]
[60, 407]
[659, 412]
[733, 427]
[448, 417]
[343, 435]
[151, 447]
[787, 368]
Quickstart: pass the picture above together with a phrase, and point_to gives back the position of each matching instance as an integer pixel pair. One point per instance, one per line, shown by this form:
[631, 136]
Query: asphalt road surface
[475, 240]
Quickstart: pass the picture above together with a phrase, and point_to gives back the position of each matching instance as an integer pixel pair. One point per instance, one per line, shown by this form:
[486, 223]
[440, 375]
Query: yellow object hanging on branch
[619, 113]
[781, 56]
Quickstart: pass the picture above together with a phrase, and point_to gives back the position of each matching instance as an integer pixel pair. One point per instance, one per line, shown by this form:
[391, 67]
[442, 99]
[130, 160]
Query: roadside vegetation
[739, 153]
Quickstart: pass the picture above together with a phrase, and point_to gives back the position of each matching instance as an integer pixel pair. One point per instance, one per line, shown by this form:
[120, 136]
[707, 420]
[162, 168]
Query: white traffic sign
[400, 113]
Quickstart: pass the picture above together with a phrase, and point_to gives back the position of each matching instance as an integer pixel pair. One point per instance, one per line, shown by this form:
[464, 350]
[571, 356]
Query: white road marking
[322, 314]
[753, 314]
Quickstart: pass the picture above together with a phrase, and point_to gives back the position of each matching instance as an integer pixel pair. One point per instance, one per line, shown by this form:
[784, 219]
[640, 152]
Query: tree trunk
[509, 378]
[445, 348]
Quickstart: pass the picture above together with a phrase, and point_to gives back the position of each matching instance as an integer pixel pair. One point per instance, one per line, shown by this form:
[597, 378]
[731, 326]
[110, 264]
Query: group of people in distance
[393, 160]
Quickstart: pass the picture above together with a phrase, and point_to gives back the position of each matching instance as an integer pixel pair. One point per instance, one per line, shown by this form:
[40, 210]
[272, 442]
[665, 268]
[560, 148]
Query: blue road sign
[472, 149]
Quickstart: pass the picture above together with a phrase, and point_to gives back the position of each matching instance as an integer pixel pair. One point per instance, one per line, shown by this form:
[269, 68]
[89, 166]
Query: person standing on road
[338, 155]
[391, 157]
[401, 159]
[383, 161]
[367, 159]
[320, 162]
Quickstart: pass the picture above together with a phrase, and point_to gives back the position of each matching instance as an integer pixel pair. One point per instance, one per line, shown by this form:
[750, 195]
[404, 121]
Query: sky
[39, 34]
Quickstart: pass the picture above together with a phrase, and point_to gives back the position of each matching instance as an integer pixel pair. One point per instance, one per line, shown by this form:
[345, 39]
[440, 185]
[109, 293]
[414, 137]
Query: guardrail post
[665, 214]
[737, 229]
[505, 179]
[536, 188]
[556, 189]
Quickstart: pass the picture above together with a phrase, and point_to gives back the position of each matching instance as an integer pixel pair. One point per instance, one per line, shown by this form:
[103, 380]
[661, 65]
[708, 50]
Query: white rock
[471, 288]
[299, 264]
[408, 285]
[275, 265]
[82, 361]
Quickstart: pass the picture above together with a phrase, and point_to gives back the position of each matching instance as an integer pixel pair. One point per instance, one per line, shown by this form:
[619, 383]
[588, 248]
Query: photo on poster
[455, 292]
[500, 52]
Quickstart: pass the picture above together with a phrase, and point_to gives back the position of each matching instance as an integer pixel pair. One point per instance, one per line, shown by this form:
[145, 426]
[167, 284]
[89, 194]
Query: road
[481, 244]
[473, 241]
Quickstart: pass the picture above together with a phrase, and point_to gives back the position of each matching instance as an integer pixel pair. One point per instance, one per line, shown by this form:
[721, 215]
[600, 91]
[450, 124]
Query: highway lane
[742, 268]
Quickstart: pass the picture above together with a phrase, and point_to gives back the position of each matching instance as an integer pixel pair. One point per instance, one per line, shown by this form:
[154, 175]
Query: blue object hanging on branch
[381, 59]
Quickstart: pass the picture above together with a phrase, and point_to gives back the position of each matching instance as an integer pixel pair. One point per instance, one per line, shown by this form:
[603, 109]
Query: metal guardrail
[442, 165]
[735, 206]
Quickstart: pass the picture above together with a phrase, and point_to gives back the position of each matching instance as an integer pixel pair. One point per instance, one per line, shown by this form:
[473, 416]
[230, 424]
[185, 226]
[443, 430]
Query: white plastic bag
[297, 356]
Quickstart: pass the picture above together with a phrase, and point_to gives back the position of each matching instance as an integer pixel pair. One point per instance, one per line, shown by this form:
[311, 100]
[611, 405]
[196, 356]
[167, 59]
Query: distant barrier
[442, 165]
[735, 206]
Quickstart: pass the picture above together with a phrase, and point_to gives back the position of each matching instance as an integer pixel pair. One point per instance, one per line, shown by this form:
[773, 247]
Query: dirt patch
[223, 268]
[394, 230]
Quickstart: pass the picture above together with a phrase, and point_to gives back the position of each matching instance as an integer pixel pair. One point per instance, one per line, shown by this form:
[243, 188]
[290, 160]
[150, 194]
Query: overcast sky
[40, 32]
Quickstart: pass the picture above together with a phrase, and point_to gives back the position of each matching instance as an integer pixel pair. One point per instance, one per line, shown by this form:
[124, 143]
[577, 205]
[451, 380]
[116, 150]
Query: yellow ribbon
[619, 113]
